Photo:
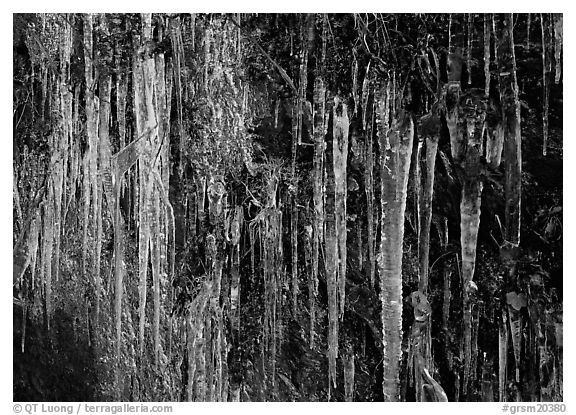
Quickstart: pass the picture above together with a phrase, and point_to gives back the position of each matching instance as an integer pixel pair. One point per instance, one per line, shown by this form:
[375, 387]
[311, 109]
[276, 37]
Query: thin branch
[281, 71]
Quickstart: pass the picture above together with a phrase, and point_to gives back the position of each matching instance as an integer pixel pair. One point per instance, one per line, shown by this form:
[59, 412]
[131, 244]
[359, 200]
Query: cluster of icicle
[41, 236]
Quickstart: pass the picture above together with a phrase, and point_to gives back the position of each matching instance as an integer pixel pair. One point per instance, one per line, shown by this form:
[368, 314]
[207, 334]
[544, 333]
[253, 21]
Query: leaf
[516, 301]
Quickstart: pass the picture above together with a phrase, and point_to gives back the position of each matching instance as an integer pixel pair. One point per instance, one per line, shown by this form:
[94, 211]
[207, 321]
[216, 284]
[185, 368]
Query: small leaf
[516, 301]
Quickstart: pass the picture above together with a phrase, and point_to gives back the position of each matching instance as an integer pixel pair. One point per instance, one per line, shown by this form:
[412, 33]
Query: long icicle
[91, 127]
[368, 115]
[430, 132]
[528, 23]
[469, 46]
[487, 31]
[118, 225]
[155, 251]
[395, 156]
[302, 85]
[503, 356]
[447, 294]
[340, 156]
[331, 263]
[104, 150]
[349, 376]
[145, 121]
[98, 259]
[48, 239]
[509, 92]
[118, 274]
[61, 148]
[318, 236]
[545, 82]
[176, 37]
[558, 43]
[159, 257]
[294, 251]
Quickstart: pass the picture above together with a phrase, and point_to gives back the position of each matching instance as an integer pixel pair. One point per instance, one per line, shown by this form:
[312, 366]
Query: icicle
[178, 48]
[420, 347]
[349, 376]
[512, 137]
[17, 201]
[218, 355]
[395, 152]
[302, 86]
[515, 303]
[191, 355]
[235, 279]
[450, 45]
[98, 258]
[465, 125]
[331, 262]
[225, 381]
[369, 189]
[75, 159]
[365, 96]
[24, 316]
[430, 132]
[193, 30]
[209, 359]
[359, 244]
[295, 135]
[325, 24]
[121, 93]
[487, 54]
[252, 238]
[546, 83]
[340, 160]
[308, 242]
[161, 173]
[166, 164]
[469, 225]
[33, 245]
[528, 22]
[47, 249]
[145, 114]
[66, 139]
[294, 251]
[417, 182]
[318, 235]
[118, 269]
[58, 183]
[276, 113]
[91, 128]
[156, 272]
[558, 43]
[201, 198]
[104, 156]
[355, 84]
[474, 347]
[202, 329]
[143, 245]
[469, 48]
[443, 235]
[503, 357]
[394, 96]
[239, 36]
[207, 57]
[44, 75]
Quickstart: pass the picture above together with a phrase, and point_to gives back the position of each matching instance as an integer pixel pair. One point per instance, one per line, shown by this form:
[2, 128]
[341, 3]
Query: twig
[282, 72]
